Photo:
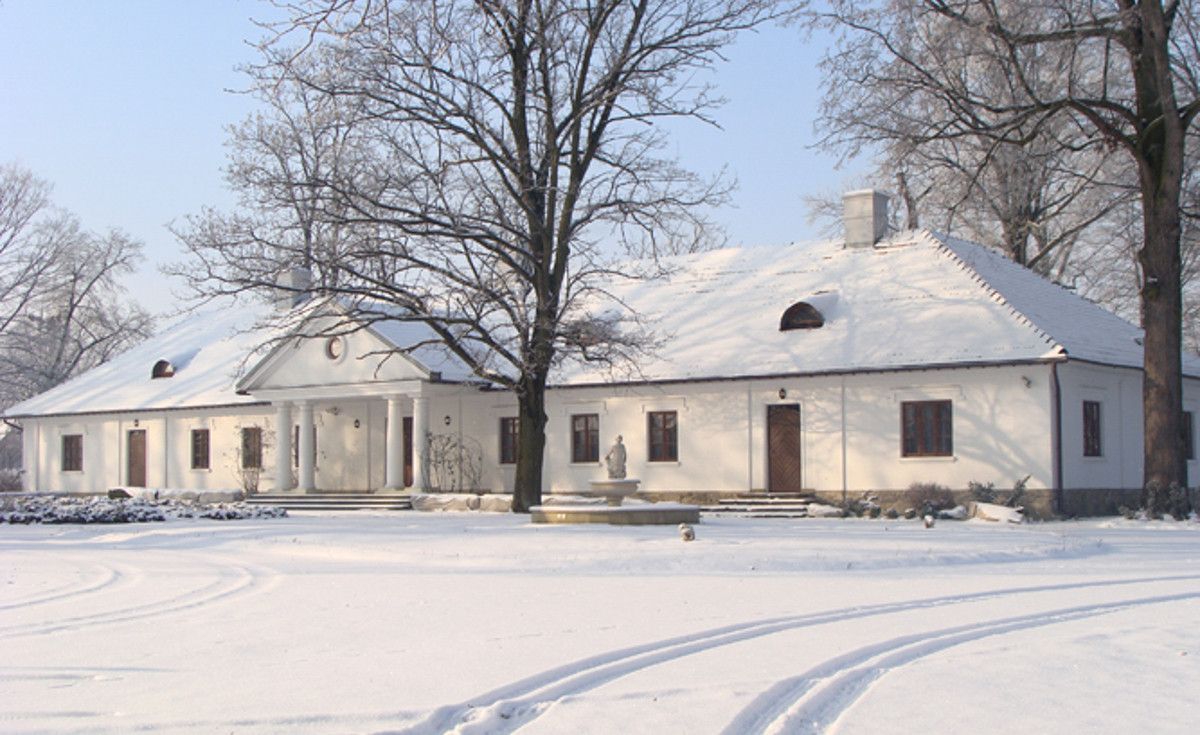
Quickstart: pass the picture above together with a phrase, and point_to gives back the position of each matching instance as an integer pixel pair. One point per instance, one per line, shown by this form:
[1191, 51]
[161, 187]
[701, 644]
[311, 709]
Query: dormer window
[162, 369]
[801, 315]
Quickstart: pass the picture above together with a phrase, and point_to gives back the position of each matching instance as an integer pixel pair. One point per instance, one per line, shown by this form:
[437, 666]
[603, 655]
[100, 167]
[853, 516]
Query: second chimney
[865, 216]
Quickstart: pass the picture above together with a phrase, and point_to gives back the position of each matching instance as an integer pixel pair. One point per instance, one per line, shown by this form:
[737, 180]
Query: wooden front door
[135, 474]
[783, 448]
[408, 445]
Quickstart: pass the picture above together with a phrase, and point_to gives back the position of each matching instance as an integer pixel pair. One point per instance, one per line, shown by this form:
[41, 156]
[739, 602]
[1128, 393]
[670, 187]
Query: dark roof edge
[170, 409]
[825, 373]
[1138, 368]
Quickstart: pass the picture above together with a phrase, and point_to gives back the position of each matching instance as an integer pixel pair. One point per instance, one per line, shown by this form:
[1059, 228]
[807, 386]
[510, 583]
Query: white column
[394, 439]
[283, 447]
[308, 473]
[421, 443]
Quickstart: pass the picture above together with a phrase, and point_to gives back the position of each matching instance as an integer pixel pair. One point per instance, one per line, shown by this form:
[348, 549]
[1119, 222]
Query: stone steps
[763, 505]
[333, 501]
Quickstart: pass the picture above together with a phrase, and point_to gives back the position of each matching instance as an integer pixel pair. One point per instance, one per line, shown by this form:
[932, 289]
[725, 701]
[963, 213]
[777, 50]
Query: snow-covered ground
[483, 623]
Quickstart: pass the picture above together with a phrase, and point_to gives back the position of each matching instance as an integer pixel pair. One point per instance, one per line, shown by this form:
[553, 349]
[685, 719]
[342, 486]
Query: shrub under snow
[91, 509]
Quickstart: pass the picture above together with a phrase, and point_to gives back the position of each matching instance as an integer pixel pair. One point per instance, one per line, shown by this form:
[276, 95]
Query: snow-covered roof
[419, 343]
[916, 299]
[207, 349]
[210, 350]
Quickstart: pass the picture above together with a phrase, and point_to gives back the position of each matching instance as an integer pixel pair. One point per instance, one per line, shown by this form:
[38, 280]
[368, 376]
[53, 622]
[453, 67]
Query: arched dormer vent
[162, 369]
[810, 313]
[801, 315]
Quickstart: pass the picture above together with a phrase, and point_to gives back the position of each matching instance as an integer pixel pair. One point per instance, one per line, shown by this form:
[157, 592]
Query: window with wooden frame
[508, 440]
[662, 428]
[199, 449]
[927, 429]
[1189, 439]
[72, 453]
[1092, 440]
[296, 446]
[585, 437]
[251, 448]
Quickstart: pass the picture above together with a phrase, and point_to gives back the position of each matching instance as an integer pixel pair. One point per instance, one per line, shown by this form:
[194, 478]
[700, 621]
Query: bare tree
[505, 165]
[63, 309]
[1121, 72]
[26, 250]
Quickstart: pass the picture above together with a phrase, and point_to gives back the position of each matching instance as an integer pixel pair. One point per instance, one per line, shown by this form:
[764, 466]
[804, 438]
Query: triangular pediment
[325, 353]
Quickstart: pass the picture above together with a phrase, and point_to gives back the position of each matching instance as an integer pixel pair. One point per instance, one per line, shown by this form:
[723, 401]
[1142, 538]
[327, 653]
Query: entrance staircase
[762, 505]
[333, 501]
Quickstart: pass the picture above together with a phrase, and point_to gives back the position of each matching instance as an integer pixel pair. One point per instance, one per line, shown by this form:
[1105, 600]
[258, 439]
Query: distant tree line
[62, 307]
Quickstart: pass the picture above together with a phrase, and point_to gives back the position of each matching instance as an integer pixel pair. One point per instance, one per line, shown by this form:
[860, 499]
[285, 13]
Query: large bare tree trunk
[531, 443]
[1160, 168]
[1162, 387]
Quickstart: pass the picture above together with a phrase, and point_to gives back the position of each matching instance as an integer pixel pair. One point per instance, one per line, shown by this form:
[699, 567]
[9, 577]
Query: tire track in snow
[508, 708]
[108, 576]
[814, 701]
[224, 586]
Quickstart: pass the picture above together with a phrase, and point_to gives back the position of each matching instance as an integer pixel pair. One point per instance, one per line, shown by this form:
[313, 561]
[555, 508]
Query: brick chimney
[865, 216]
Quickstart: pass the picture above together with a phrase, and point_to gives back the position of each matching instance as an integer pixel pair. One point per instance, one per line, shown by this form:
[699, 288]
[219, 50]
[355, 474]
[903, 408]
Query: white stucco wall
[168, 449]
[1119, 392]
[1002, 431]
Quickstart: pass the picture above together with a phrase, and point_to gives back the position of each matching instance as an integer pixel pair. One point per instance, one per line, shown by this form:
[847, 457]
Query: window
[1091, 429]
[508, 440]
[585, 437]
[199, 449]
[926, 429]
[801, 315]
[162, 369]
[296, 446]
[251, 448]
[334, 347]
[1189, 441]
[663, 428]
[72, 453]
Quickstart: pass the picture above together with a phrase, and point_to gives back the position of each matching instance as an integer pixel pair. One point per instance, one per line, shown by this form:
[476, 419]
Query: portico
[350, 414]
[376, 439]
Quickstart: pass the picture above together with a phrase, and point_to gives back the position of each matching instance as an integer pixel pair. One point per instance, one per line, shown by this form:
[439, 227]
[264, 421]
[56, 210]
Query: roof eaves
[968, 364]
[143, 410]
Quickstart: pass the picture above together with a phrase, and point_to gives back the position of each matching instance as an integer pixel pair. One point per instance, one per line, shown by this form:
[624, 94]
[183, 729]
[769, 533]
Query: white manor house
[840, 368]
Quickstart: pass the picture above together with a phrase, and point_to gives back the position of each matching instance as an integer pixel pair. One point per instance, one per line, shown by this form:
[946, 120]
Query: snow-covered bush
[461, 502]
[929, 497]
[92, 509]
[1171, 500]
[982, 492]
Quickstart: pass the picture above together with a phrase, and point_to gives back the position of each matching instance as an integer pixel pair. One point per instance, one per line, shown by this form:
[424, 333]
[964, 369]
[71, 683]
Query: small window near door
[508, 440]
[927, 429]
[585, 437]
[1189, 439]
[1092, 440]
[72, 453]
[663, 430]
[251, 448]
[199, 449]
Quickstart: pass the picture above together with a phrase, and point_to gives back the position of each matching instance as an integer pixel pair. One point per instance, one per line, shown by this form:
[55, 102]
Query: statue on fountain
[615, 460]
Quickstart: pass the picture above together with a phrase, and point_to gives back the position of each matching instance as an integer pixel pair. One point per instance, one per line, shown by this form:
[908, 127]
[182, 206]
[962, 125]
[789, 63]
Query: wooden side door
[783, 448]
[135, 465]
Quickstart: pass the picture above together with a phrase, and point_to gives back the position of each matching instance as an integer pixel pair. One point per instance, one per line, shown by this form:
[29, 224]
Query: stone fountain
[614, 489]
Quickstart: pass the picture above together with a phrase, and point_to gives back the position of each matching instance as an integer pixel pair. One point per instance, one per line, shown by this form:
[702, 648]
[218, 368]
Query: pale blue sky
[122, 105]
